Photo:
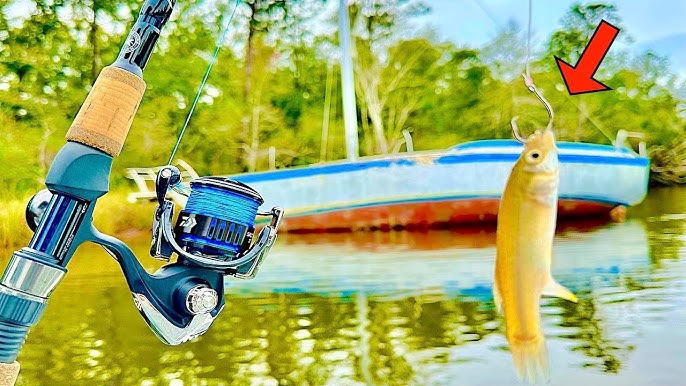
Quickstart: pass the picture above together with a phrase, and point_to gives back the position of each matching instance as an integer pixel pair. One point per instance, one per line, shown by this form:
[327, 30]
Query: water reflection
[391, 308]
[664, 212]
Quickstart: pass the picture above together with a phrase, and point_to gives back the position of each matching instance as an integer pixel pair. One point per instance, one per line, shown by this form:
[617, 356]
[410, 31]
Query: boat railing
[623, 136]
[145, 180]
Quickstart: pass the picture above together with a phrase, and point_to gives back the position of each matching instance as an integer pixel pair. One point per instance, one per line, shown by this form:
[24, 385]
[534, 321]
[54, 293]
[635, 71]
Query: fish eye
[534, 156]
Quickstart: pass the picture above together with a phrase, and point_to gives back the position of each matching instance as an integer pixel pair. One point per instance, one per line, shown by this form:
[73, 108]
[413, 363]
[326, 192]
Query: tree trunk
[374, 109]
[580, 122]
[327, 111]
[93, 39]
[250, 100]
[255, 138]
[368, 140]
[249, 51]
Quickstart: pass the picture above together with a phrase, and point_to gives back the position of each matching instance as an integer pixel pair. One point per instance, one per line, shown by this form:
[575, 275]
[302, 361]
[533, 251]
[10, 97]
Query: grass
[13, 229]
[114, 215]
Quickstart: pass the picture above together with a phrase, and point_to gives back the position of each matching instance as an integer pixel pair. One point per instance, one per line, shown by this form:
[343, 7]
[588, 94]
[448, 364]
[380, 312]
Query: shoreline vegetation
[668, 164]
[274, 98]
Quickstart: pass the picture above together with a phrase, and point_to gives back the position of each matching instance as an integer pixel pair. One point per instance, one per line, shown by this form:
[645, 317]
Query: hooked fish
[526, 227]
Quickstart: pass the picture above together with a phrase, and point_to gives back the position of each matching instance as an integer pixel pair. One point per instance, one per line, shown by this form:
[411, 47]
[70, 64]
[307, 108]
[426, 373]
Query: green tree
[577, 27]
[505, 55]
[374, 25]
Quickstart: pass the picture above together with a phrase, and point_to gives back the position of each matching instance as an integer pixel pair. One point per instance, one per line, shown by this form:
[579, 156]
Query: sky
[653, 24]
[658, 25]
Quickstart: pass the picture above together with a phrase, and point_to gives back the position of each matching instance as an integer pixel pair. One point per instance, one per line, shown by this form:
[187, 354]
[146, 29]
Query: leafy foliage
[270, 85]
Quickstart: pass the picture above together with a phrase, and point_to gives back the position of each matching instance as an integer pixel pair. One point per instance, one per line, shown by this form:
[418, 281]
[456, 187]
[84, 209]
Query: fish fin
[531, 360]
[553, 288]
[497, 299]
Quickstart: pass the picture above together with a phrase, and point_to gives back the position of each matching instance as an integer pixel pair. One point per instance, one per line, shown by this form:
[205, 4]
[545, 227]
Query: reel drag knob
[201, 299]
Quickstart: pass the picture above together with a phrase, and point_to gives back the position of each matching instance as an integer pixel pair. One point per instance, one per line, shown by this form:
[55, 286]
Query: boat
[441, 188]
[429, 189]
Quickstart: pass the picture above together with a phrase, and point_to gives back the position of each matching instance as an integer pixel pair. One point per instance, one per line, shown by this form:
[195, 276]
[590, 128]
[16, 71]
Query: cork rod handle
[105, 118]
[9, 373]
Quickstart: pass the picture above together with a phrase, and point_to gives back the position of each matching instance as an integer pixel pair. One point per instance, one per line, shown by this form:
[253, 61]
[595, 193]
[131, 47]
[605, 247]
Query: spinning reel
[213, 238]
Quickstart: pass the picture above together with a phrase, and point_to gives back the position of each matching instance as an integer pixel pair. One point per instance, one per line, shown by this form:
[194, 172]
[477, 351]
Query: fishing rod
[214, 235]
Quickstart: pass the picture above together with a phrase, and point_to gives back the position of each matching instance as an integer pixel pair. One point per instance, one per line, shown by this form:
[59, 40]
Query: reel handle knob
[166, 177]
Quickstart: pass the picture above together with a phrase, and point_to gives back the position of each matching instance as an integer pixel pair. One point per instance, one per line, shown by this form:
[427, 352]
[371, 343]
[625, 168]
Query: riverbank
[668, 164]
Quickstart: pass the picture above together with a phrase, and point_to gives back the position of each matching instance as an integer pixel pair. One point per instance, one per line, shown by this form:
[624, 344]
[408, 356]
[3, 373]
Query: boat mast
[347, 83]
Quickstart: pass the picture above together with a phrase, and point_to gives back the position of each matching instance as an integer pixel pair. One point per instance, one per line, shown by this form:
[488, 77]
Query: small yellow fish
[526, 227]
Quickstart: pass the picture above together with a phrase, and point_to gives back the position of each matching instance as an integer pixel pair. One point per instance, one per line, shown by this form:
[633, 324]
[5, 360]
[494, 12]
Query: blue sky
[653, 24]
[659, 25]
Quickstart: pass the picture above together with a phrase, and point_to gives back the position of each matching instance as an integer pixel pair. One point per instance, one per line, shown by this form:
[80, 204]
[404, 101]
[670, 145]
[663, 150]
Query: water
[392, 308]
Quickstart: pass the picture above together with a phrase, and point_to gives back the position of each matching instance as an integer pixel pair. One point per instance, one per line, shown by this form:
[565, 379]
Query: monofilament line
[528, 42]
[204, 81]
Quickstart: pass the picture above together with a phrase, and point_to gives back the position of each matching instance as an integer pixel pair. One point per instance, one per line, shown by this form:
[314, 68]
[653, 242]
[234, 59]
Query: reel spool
[219, 218]
[217, 226]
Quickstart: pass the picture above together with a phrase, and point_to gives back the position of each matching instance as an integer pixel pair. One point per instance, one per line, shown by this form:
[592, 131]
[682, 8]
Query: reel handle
[167, 177]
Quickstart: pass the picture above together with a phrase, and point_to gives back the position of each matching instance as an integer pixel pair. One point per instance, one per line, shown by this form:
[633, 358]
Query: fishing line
[528, 42]
[489, 15]
[222, 203]
[204, 81]
[225, 215]
[528, 75]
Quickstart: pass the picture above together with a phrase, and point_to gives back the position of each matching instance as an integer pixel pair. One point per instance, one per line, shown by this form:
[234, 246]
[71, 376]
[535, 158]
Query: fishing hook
[529, 82]
[515, 130]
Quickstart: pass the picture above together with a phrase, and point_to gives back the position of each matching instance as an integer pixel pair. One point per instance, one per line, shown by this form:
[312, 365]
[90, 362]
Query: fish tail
[531, 360]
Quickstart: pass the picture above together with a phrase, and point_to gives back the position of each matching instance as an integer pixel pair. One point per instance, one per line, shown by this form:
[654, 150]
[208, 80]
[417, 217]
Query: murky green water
[389, 309]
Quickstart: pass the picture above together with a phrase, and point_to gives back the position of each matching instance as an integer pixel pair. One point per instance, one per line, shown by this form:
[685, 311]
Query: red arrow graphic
[579, 78]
